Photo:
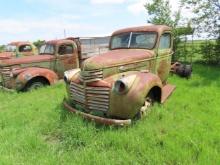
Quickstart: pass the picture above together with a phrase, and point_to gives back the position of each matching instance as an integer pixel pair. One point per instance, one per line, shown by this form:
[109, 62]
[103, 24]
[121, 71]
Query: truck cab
[18, 49]
[30, 72]
[119, 85]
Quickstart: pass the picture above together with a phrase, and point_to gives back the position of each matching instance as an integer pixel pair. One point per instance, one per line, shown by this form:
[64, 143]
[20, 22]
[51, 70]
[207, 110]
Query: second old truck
[18, 49]
[27, 73]
[120, 85]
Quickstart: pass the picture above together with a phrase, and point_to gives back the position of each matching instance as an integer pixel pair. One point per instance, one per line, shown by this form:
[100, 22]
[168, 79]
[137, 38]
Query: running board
[167, 90]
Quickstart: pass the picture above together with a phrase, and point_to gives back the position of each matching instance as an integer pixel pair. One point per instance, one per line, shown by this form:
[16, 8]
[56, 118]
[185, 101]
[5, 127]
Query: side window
[165, 41]
[25, 48]
[65, 49]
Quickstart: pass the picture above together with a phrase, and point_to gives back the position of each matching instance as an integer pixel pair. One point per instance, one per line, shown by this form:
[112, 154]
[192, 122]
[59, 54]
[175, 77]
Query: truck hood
[26, 60]
[6, 55]
[116, 58]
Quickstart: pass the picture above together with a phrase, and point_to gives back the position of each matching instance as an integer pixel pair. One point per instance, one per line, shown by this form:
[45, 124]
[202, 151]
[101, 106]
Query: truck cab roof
[19, 43]
[61, 41]
[150, 28]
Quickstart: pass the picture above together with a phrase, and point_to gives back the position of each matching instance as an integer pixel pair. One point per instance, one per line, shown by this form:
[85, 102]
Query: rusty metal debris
[183, 70]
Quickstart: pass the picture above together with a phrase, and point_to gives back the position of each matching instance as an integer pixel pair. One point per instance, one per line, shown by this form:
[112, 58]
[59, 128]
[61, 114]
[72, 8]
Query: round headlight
[120, 87]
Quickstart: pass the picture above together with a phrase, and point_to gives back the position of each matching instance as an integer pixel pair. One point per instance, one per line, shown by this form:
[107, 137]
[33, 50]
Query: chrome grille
[93, 75]
[92, 98]
[5, 74]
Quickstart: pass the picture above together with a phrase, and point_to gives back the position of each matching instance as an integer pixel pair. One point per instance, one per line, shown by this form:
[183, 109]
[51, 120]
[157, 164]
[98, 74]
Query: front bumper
[97, 119]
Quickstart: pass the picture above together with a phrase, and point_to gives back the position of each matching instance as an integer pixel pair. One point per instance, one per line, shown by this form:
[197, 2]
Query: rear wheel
[36, 84]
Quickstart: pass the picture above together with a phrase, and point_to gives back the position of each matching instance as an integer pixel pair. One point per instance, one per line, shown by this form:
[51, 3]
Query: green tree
[1, 48]
[39, 43]
[206, 15]
[207, 20]
[159, 12]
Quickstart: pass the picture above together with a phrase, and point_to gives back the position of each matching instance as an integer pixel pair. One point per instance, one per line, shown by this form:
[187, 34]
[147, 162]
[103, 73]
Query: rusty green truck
[119, 85]
[30, 72]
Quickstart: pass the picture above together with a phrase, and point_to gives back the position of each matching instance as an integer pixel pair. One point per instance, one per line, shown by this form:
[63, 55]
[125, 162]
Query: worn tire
[35, 84]
[188, 71]
[184, 70]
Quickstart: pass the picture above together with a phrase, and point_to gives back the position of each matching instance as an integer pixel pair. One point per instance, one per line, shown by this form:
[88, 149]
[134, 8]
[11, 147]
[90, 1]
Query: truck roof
[18, 43]
[152, 28]
[60, 41]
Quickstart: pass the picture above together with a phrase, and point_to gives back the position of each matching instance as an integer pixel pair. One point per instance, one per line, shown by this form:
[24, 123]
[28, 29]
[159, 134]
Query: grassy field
[185, 130]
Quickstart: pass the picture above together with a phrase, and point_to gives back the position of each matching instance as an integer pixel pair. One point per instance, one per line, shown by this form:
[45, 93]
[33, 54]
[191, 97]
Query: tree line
[205, 19]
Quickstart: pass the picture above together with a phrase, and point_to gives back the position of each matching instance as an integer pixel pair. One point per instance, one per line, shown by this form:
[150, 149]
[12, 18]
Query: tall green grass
[35, 129]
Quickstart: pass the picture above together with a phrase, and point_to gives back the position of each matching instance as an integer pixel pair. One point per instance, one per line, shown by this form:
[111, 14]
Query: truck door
[164, 56]
[67, 58]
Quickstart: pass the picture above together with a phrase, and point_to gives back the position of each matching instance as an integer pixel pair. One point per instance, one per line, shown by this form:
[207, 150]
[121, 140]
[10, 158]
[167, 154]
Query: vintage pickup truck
[18, 49]
[120, 85]
[30, 72]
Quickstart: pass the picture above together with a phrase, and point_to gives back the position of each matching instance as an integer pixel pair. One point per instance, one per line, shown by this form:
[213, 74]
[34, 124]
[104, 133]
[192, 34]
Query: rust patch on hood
[6, 55]
[116, 57]
[26, 60]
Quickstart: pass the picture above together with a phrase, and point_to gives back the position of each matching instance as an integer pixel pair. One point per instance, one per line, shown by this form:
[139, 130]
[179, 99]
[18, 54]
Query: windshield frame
[53, 45]
[131, 33]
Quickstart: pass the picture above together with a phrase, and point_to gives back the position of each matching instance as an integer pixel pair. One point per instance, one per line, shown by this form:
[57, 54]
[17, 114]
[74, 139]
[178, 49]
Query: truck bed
[92, 46]
[88, 51]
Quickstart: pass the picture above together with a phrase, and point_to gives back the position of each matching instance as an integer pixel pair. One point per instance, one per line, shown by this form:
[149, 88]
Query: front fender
[127, 105]
[28, 74]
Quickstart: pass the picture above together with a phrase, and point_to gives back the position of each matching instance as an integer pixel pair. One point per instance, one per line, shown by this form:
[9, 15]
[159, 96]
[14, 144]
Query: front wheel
[145, 109]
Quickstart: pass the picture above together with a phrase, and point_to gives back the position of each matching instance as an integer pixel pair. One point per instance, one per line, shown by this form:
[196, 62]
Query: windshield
[134, 40]
[10, 48]
[47, 49]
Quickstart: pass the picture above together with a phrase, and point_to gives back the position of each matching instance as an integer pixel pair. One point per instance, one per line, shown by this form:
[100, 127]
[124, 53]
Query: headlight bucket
[120, 87]
[123, 85]
[68, 75]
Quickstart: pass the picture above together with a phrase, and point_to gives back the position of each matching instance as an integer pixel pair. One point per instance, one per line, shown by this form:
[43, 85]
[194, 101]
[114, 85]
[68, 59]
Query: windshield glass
[134, 40]
[47, 49]
[10, 48]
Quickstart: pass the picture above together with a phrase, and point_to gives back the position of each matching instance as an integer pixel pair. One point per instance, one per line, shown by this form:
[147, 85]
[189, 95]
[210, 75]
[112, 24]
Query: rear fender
[127, 105]
[24, 77]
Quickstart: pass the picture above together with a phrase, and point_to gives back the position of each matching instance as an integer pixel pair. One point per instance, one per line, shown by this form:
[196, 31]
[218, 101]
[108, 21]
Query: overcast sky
[47, 19]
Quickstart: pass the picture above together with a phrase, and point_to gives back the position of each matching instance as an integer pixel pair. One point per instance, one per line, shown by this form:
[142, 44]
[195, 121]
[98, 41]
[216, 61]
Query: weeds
[35, 129]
